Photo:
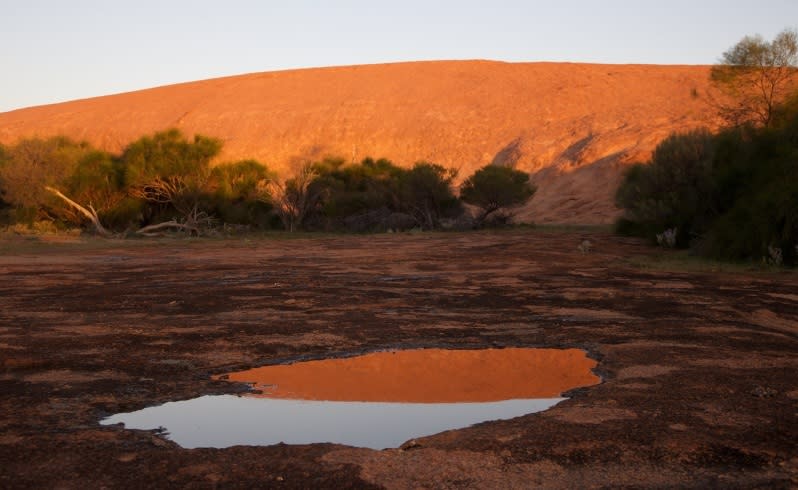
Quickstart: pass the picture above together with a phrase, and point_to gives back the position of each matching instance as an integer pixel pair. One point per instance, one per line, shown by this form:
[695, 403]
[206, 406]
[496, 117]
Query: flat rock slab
[699, 369]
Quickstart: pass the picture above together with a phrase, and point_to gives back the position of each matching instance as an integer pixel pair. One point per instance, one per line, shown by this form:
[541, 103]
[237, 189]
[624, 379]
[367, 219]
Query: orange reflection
[428, 376]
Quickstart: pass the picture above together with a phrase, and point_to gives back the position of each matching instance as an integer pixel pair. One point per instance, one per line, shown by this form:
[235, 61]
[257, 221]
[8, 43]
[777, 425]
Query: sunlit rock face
[573, 126]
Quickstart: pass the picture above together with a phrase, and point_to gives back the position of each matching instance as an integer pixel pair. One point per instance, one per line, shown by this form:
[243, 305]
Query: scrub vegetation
[756, 76]
[165, 182]
[732, 195]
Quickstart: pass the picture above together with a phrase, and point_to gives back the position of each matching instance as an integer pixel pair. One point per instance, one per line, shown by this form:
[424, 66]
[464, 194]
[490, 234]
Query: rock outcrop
[573, 126]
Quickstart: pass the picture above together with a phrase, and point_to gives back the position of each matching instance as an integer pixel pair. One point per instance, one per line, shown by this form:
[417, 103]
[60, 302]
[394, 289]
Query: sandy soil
[573, 126]
[700, 370]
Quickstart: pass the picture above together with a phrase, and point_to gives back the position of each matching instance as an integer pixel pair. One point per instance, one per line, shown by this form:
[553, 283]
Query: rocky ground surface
[700, 368]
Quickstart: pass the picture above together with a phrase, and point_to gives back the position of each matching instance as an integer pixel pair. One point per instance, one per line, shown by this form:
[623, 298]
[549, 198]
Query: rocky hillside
[573, 126]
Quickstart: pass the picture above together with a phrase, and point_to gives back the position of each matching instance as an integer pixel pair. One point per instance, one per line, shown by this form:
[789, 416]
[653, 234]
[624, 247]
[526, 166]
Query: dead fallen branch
[158, 229]
[89, 212]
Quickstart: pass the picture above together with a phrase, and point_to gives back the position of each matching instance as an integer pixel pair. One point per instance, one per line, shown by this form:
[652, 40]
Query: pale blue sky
[56, 50]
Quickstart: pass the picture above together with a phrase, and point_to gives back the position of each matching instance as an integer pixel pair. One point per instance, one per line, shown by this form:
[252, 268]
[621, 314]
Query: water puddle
[376, 400]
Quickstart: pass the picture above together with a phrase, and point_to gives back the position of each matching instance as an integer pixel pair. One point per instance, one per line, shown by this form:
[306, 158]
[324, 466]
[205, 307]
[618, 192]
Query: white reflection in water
[228, 420]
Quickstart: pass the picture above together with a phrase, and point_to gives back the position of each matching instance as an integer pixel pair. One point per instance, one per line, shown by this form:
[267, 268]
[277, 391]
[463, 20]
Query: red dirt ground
[700, 369]
[574, 126]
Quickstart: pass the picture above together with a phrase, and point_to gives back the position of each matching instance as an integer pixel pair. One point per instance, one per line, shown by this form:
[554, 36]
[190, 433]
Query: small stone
[763, 392]
[127, 458]
[410, 445]
[158, 442]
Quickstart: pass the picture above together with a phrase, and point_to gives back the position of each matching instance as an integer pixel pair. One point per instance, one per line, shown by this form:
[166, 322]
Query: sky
[58, 50]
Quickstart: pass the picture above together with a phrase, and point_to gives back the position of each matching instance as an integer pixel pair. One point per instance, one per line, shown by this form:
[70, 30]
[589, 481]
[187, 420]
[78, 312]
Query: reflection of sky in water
[228, 420]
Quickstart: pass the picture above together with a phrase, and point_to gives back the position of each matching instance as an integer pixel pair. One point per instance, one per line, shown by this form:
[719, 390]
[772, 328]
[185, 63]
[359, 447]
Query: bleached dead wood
[156, 230]
[89, 212]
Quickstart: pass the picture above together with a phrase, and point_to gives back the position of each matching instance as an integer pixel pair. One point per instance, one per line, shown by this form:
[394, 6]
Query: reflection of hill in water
[429, 376]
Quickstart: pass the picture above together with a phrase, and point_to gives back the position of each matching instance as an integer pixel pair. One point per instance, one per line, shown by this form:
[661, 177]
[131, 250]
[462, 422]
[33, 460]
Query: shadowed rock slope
[573, 126]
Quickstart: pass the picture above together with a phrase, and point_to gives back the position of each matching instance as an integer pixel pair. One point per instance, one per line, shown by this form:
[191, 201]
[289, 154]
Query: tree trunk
[87, 212]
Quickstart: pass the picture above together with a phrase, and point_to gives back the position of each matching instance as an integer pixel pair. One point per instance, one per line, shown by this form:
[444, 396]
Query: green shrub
[240, 193]
[732, 196]
[34, 163]
[425, 192]
[756, 175]
[126, 214]
[373, 195]
[495, 189]
[350, 192]
[169, 174]
[674, 190]
[167, 154]
[96, 182]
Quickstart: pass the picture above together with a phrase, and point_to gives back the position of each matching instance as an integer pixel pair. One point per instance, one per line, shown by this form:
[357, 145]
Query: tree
[297, 197]
[425, 192]
[756, 76]
[245, 180]
[34, 171]
[242, 192]
[170, 173]
[356, 197]
[730, 196]
[674, 190]
[493, 188]
[166, 154]
[96, 183]
[33, 164]
[757, 193]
